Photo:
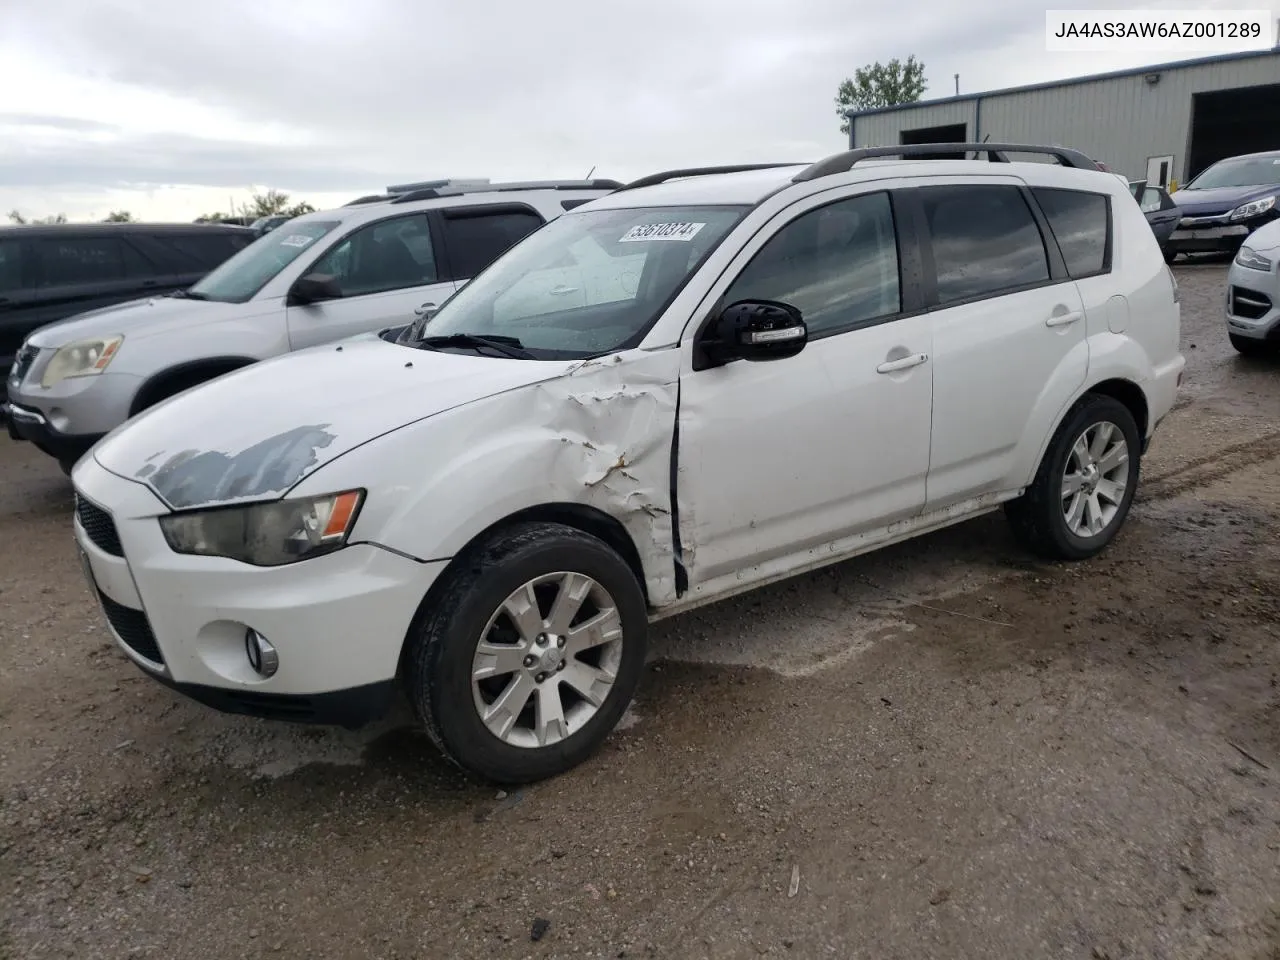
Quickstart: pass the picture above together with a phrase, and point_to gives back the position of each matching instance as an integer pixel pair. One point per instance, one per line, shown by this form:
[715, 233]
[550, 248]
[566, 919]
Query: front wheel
[1085, 485]
[529, 653]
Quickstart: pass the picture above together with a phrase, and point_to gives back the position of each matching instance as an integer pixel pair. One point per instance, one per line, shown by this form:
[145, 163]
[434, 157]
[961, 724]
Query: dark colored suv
[51, 272]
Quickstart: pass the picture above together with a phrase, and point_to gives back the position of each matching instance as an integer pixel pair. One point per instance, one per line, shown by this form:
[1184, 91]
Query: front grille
[99, 527]
[22, 362]
[133, 627]
[1248, 303]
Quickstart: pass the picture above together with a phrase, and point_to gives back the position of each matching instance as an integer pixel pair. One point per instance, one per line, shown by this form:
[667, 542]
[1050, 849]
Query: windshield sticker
[662, 231]
[296, 240]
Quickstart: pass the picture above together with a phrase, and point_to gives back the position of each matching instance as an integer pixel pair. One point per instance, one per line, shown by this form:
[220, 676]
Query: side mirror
[755, 330]
[315, 287]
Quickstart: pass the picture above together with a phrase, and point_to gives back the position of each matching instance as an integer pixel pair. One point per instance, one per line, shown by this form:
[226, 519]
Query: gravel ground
[940, 750]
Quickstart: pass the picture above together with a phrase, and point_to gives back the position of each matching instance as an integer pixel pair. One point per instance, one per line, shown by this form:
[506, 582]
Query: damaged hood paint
[254, 434]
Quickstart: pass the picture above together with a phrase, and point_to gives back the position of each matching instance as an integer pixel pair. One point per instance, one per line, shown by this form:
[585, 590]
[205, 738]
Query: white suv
[698, 384]
[316, 278]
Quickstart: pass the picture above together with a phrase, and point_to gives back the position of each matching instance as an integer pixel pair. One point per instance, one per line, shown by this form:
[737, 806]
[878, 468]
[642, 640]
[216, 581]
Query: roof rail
[843, 162]
[446, 182]
[457, 190]
[656, 178]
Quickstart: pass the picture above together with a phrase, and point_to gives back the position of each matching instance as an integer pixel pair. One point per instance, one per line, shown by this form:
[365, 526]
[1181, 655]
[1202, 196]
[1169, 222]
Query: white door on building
[1159, 171]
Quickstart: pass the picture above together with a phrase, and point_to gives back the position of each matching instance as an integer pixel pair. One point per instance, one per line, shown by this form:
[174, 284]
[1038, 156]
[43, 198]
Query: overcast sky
[170, 108]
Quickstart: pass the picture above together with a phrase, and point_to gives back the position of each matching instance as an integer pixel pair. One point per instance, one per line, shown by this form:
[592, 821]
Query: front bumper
[337, 622]
[1253, 302]
[25, 423]
[1213, 234]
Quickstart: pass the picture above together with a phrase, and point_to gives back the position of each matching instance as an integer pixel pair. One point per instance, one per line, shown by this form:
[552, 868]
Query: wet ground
[940, 750]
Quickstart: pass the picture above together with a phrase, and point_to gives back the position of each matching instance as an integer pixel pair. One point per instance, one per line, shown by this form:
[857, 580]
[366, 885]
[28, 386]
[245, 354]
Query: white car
[317, 278]
[1253, 294]
[789, 366]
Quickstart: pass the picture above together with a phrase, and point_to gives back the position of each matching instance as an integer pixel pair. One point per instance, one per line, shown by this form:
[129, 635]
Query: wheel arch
[154, 387]
[581, 517]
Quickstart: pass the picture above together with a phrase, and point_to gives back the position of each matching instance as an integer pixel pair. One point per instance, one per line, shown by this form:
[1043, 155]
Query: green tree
[275, 203]
[120, 216]
[880, 85]
[16, 217]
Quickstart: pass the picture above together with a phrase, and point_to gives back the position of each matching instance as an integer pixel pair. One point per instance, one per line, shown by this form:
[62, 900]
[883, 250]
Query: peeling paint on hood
[255, 433]
[266, 469]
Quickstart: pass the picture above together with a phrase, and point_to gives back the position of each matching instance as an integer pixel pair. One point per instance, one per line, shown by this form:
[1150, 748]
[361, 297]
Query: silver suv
[324, 276]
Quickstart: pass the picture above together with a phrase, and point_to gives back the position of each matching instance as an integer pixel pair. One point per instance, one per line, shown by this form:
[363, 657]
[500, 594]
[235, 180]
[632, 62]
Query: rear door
[1009, 334]
[17, 293]
[79, 272]
[386, 271]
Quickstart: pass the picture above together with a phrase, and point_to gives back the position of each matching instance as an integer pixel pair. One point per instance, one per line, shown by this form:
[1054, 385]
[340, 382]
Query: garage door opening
[1227, 123]
[951, 133]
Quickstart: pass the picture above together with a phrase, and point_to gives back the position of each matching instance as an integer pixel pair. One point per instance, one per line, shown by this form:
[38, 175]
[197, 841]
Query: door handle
[562, 291]
[904, 363]
[1063, 319]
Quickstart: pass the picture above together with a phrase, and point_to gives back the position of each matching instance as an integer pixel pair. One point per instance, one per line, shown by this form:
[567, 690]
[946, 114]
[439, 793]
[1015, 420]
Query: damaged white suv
[698, 384]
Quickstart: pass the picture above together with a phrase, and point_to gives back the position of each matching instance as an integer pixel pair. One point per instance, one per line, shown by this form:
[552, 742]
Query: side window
[1151, 200]
[985, 240]
[388, 255]
[476, 239]
[10, 266]
[80, 260]
[136, 265]
[838, 265]
[1081, 222]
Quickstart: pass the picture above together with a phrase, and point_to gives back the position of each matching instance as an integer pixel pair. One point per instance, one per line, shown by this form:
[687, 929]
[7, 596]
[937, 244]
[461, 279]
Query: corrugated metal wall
[1121, 121]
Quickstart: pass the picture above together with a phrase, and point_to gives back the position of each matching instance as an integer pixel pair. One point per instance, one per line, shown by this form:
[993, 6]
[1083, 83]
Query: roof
[746, 188]
[1069, 81]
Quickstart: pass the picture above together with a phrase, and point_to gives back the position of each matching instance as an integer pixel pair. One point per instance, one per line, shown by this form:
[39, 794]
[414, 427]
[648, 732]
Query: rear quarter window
[1081, 223]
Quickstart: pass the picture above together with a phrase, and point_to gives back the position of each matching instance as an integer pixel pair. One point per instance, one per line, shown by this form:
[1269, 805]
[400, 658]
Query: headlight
[1253, 208]
[84, 358]
[1248, 257]
[266, 534]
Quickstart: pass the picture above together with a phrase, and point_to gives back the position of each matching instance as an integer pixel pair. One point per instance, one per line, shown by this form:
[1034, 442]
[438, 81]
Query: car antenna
[590, 172]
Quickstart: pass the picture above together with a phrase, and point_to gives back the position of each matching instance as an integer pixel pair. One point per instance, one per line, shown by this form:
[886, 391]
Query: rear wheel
[529, 653]
[1085, 485]
[1250, 347]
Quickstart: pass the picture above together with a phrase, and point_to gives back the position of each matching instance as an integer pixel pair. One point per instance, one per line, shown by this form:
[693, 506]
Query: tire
[1039, 517]
[66, 465]
[1169, 255]
[468, 607]
[1249, 347]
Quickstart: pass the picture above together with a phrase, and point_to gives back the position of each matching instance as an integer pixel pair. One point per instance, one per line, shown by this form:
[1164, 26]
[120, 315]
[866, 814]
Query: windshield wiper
[507, 346]
[188, 295]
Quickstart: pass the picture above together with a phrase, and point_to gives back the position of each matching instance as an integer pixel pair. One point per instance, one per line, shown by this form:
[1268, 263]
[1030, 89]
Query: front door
[782, 456]
[386, 271]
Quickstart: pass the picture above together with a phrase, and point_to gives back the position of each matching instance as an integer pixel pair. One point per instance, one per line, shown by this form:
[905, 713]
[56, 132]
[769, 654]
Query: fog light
[262, 655]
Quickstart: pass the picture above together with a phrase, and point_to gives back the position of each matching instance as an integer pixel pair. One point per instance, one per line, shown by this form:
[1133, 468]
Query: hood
[255, 433]
[1219, 199]
[135, 318]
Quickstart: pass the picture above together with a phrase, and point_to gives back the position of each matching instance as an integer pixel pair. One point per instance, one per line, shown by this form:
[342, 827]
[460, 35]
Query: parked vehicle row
[678, 390]
[321, 277]
[51, 272]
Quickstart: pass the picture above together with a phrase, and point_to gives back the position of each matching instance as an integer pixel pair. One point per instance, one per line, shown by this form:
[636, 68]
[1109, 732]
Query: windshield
[587, 283]
[1240, 172]
[241, 276]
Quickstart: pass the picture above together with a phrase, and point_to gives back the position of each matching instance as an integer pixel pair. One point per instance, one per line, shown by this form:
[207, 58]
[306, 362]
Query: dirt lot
[959, 753]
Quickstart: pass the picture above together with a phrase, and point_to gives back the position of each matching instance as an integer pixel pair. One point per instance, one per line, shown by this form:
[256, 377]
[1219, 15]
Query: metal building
[1163, 123]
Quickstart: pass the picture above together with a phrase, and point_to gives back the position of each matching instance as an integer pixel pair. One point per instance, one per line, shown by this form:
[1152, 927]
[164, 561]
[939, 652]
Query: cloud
[328, 95]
